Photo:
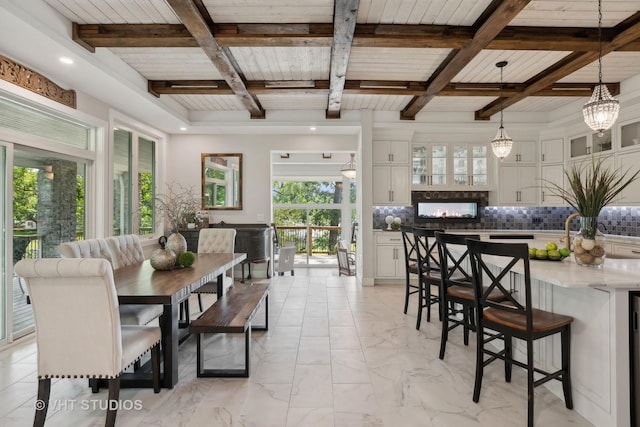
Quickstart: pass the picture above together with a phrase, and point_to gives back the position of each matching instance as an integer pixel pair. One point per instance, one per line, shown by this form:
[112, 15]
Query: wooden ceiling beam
[366, 87]
[627, 32]
[504, 12]
[194, 22]
[321, 35]
[344, 25]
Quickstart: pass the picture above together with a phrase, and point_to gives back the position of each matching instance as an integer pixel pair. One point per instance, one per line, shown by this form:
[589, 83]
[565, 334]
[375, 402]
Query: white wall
[184, 157]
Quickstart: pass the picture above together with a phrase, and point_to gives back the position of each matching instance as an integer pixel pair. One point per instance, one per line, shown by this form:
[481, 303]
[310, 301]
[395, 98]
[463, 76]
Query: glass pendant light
[349, 168]
[501, 144]
[601, 112]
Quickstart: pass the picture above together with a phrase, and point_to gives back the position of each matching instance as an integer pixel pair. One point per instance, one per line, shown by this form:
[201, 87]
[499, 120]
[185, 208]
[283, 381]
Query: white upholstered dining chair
[78, 330]
[219, 241]
[130, 314]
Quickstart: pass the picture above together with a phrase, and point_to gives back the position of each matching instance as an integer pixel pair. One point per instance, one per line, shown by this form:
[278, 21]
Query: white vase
[177, 243]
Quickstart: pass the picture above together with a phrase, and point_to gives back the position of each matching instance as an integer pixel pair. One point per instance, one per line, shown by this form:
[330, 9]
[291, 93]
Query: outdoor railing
[321, 239]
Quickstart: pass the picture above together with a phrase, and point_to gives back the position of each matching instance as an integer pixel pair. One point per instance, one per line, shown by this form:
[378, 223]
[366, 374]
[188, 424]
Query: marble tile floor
[335, 355]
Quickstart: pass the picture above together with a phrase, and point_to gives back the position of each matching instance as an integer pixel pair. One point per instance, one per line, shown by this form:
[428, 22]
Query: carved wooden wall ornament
[24, 77]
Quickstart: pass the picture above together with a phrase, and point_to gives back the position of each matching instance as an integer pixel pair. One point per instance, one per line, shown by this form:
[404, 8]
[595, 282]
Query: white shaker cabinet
[552, 151]
[391, 185]
[390, 262]
[555, 174]
[522, 152]
[518, 185]
[391, 152]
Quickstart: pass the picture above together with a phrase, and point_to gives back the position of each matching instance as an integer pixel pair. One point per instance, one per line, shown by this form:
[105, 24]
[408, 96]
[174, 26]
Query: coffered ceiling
[408, 56]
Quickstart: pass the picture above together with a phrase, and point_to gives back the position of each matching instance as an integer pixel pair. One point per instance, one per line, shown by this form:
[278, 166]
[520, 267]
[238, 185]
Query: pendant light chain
[600, 43]
[501, 98]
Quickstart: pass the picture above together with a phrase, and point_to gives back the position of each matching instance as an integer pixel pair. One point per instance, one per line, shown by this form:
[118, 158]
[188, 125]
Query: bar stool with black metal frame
[511, 318]
[456, 289]
[428, 271]
[411, 264]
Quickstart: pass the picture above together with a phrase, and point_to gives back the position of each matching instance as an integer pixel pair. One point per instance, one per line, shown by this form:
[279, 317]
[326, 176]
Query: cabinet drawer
[389, 238]
[626, 251]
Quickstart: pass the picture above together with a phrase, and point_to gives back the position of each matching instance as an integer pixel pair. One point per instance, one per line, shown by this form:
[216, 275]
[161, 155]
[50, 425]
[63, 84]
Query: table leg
[219, 285]
[169, 325]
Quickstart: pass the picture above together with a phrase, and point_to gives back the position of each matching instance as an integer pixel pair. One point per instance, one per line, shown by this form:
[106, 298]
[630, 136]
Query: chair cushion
[139, 314]
[543, 321]
[136, 340]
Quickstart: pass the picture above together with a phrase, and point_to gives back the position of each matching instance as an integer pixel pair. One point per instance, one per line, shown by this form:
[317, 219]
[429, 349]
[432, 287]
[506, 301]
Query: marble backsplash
[618, 220]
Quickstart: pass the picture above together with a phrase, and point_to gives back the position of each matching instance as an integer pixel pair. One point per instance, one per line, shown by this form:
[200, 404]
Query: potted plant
[177, 205]
[592, 186]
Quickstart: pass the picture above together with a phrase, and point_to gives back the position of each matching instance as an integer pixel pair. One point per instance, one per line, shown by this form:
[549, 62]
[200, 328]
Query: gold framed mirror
[222, 181]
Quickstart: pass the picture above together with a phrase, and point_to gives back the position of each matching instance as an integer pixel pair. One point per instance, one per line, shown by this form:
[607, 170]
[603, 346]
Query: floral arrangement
[592, 186]
[178, 204]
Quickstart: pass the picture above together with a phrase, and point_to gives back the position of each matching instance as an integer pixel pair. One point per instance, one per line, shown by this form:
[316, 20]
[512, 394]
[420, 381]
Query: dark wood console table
[252, 239]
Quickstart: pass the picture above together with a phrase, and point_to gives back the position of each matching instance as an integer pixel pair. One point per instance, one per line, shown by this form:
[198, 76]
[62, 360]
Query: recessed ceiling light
[312, 128]
[183, 128]
[66, 60]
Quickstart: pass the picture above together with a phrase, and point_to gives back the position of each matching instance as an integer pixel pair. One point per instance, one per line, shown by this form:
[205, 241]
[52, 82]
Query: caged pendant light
[501, 144]
[601, 112]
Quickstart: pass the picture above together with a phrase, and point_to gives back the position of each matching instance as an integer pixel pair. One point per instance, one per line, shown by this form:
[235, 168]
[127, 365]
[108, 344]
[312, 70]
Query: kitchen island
[598, 299]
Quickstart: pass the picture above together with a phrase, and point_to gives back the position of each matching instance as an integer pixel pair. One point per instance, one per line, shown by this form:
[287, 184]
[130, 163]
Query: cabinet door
[551, 173]
[461, 169]
[386, 152]
[631, 194]
[528, 185]
[552, 150]
[479, 166]
[438, 163]
[399, 185]
[522, 152]
[630, 135]
[518, 185]
[381, 187]
[508, 185]
[386, 261]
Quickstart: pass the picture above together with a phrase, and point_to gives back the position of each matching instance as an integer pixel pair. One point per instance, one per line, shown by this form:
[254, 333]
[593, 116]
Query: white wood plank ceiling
[255, 62]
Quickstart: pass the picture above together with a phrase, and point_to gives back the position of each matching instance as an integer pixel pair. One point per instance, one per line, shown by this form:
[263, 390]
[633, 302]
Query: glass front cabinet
[449, 166]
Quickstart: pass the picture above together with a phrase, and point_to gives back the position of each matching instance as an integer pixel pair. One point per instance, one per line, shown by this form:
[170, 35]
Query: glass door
[4, 278]
[48, 209]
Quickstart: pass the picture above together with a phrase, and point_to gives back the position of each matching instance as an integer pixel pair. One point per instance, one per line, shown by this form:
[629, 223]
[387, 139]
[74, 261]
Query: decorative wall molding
[26, 78]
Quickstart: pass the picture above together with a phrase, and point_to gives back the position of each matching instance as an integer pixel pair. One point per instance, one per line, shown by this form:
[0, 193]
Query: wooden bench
[232, 313]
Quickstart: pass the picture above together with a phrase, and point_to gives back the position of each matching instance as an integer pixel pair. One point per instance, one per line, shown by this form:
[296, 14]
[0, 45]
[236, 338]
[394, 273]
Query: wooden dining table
[142, 284]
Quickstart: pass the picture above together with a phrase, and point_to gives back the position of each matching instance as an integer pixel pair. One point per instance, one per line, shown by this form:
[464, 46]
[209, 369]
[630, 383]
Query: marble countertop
[615, 273]
[612, 238]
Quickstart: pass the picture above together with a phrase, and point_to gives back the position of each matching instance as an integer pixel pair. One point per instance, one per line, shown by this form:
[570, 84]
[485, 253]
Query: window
[133, 207]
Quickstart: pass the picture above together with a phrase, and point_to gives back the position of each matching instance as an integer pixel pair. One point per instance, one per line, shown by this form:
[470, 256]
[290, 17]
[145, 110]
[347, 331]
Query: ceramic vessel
[177, 243]
[589, 244]
[163, 258]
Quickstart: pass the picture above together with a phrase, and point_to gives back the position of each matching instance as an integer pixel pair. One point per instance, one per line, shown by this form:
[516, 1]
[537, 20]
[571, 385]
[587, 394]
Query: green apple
[554, 255]
[532, 252]
[551, 246]
[565, 252]
[542, 254]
